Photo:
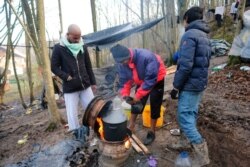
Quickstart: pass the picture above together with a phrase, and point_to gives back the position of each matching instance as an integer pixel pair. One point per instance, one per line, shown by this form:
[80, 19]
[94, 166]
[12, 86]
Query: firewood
[139, 144]
[135, 146]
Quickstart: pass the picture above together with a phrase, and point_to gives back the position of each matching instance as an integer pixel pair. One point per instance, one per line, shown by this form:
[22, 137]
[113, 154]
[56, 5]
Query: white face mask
[75, 48]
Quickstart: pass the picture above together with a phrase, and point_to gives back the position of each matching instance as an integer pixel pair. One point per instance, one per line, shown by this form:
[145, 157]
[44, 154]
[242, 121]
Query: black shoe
[150, 138]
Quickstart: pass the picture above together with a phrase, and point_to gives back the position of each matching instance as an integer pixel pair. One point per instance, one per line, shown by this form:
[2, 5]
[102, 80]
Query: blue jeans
[187, 115]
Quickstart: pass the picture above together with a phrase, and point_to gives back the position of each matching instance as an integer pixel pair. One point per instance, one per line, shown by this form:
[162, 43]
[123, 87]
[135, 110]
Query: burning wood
[100, 129]
[127, 143]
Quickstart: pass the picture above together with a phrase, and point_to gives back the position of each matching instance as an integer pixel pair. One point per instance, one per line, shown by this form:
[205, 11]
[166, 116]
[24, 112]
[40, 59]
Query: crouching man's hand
[128, 99]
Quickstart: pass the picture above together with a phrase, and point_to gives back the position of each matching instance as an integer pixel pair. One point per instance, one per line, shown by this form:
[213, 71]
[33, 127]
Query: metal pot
[115, 132]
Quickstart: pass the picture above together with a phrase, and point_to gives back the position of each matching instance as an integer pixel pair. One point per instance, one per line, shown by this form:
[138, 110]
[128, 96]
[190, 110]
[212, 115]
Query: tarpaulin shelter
[106, 76]
[111, 35]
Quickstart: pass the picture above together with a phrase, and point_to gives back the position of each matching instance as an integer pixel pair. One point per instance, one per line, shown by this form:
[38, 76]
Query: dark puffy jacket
[194, 55]
[64, 64]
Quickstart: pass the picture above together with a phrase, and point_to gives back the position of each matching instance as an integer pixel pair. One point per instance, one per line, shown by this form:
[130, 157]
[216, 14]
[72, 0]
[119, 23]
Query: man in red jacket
[146, 70]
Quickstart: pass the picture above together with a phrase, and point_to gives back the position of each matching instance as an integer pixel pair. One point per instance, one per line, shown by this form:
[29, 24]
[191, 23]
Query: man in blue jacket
[146, 70]
[191, 80]
[71, 62]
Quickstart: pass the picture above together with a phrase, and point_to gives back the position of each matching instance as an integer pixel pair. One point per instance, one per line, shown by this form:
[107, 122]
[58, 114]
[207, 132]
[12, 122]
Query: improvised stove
[110, 126]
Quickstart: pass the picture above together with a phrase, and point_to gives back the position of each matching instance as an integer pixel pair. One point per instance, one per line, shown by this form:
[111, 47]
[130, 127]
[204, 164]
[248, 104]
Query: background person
[234, 9]
[219, 12]
[147, 71]
[71, 62]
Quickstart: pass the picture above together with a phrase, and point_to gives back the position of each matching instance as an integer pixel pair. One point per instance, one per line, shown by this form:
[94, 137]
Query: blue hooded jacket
[194, 56]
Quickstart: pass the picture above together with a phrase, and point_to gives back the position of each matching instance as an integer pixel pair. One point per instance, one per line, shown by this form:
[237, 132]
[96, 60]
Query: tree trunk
[3, 75]
[52, 106]
[182, 6]
[60, 17]
[93, 11]
[31, 20]
[17, 80]
[29, 69]
[142, 21]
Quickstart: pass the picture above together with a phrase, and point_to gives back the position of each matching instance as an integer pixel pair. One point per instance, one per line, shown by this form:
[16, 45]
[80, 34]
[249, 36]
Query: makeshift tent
[111, 35]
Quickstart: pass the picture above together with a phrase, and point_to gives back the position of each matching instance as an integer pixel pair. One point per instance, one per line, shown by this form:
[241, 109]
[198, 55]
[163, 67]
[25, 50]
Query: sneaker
[150, 138]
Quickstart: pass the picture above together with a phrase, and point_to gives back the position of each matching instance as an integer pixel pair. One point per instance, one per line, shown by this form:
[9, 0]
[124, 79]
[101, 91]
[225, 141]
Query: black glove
[174, 93]
[137, 107]
[128, 99]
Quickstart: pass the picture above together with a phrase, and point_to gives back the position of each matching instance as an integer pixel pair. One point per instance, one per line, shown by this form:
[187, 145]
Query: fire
[127, 143]
[100, 130]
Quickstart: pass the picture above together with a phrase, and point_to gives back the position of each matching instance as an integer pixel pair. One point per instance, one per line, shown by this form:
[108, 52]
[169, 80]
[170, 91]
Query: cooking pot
[114, 122]
[115, 132]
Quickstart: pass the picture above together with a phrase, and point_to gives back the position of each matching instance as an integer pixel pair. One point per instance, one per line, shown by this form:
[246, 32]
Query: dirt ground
[224, 119]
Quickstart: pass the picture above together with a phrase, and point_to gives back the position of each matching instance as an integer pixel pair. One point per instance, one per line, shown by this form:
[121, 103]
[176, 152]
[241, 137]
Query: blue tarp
[117, 33]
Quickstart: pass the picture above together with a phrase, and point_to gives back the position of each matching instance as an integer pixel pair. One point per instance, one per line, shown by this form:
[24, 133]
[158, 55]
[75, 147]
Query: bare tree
[10, 24]
[93, 10]
[60, 18]
[29, 68]
[36, 25]
[3, 75]
[50, 95]
[142, 21]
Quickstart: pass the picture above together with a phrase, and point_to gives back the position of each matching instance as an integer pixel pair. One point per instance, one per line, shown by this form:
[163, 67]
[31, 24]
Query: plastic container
[126, 109]
[146, 117]
[183, 160]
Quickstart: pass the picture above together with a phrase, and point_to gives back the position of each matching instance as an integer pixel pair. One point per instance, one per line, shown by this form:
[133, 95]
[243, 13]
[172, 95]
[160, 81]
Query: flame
[100, 130]
[127, 144]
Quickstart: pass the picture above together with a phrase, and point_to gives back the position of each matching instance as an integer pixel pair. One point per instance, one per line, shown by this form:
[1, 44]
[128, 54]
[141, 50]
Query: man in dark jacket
[146, 70]
[191, 80]
[71, 62]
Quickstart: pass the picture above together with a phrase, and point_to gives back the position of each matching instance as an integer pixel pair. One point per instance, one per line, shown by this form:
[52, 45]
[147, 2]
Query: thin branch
[26, 31]
[131, 10]
[18, 37]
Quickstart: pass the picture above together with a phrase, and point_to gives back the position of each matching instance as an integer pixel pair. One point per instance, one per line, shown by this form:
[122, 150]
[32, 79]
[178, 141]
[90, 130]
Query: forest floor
[224, 120]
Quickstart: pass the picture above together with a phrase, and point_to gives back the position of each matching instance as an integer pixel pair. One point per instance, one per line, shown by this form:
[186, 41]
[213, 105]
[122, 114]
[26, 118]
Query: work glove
[81, 133]
[128, 99]
[137, 107]
[174, 93]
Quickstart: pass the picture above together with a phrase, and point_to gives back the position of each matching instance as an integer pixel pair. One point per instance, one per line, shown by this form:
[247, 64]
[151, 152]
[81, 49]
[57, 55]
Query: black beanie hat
[120, 53]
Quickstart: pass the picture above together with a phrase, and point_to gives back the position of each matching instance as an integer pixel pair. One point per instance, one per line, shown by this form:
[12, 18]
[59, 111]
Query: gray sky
[73, 11]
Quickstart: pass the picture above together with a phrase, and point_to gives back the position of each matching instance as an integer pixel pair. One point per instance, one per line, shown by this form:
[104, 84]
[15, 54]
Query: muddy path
[225, 117]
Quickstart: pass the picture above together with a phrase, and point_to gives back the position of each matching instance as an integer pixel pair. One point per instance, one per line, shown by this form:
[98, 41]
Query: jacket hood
[200, 25]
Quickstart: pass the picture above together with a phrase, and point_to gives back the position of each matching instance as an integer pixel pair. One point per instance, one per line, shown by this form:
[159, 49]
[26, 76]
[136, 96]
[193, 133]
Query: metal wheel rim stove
[113, 153]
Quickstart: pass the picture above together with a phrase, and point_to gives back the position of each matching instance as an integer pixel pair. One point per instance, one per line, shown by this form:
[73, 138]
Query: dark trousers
[218, 19]
[156, 97]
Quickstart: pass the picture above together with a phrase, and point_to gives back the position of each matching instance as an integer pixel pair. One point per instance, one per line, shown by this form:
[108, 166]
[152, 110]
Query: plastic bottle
[183, 160]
